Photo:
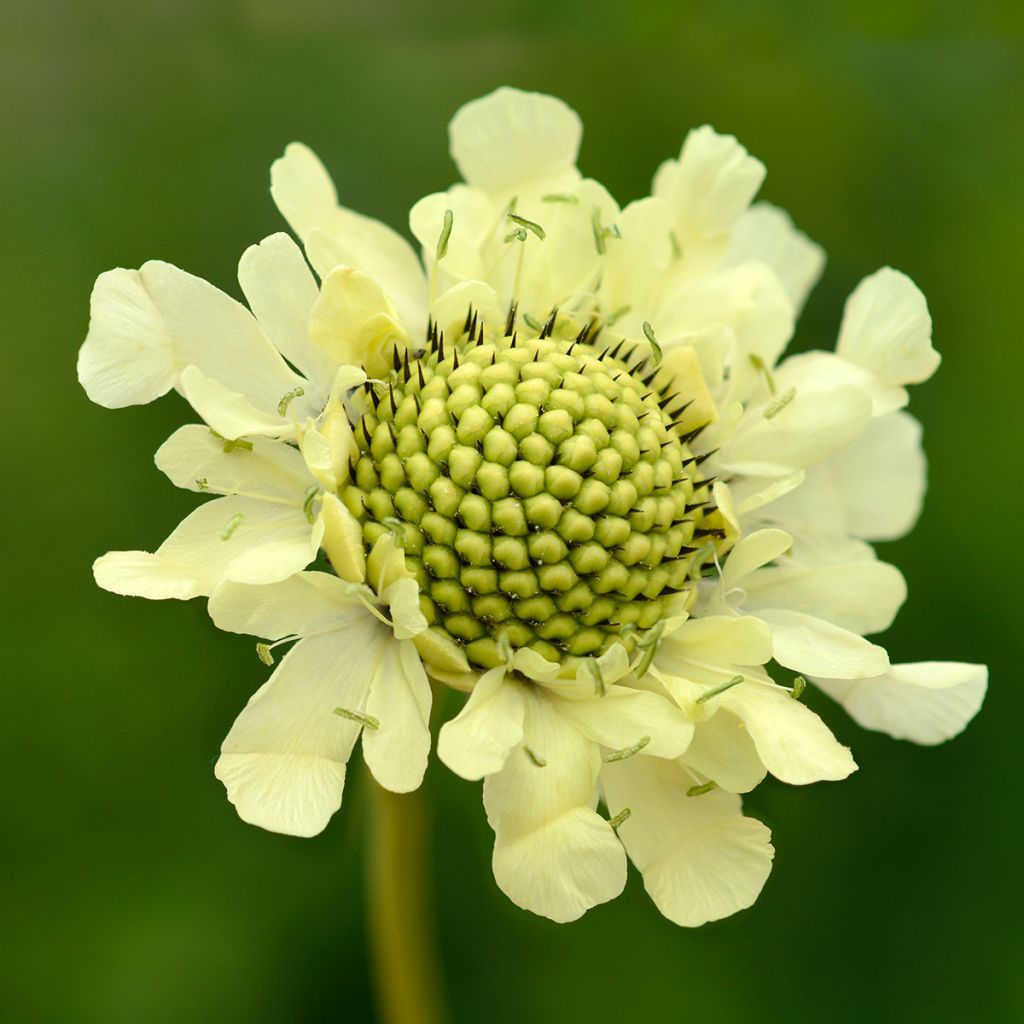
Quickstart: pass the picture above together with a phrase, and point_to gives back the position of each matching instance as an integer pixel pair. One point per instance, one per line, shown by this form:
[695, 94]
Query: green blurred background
[894, 133]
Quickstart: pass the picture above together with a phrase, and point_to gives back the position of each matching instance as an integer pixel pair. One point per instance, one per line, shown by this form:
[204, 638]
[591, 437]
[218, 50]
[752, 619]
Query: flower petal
[229, 412]
[280, 289]
[710, 185]
[193, 458]
[886, 328]
[553, 854]
[233, 538]
[700, 858]
[861, 596]
[396, 751]
[283, 762]
[335, 236]
[354, 321]
[926, 702]
[622, 718]
[478, 740]
[792, 741]
[723, 751]
[306, 603]
[809, 428]
[766, 234]
[148, 324]
[813, 646]
[509, 137]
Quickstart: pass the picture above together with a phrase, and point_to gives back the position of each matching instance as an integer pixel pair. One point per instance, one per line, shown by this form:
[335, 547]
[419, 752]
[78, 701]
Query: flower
[557, 461]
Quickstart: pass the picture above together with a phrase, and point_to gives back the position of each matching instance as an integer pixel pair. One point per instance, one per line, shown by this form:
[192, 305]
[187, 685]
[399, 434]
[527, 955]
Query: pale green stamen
[721, 688]
[625, 752]
[368, 721]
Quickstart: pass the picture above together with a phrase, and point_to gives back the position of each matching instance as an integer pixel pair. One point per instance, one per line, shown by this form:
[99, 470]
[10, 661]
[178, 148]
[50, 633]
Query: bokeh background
[892, 130]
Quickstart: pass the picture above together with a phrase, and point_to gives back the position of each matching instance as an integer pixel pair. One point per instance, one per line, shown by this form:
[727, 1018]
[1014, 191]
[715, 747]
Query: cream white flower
[558, 461]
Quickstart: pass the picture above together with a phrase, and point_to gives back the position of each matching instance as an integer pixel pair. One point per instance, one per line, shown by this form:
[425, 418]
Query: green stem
[402, 931]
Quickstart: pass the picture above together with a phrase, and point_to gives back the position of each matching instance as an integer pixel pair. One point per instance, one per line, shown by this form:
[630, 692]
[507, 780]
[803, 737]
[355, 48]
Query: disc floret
[543, 489]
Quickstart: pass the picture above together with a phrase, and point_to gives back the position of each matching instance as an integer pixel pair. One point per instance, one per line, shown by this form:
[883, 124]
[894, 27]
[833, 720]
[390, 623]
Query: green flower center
[543, 491]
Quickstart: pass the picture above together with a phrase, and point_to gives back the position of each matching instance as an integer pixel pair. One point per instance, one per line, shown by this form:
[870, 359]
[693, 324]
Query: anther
[721, 688]
[701, 790]
[367, 721]
[233, 524]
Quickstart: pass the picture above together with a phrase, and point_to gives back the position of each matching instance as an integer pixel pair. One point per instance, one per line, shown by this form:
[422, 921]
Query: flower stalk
[406, 967]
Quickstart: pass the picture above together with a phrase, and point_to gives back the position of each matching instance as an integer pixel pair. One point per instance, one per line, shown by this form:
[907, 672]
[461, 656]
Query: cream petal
[881, 478]
[624, 718]
[235, 538]
[717, 642]
[813, 646]
[193, 458]
[449, 309]
[509, 137]
[343, 540]
[129, 355]
[303, 604]
[553, 854]
[148, 324]
[230, 413]
[334, 236]
[861, 596]
[283, 762]
[824, 371]
[873, 488]
[723, 751]
[766, 234]
[281, 290]
[752, 552]
[354, 321]
[886, 328]
[403, 600]
[474, 214]
[748, 299]
[700, 858]
[396, 750]
[478, 740]
[927, 702]
[791, 740]
[636, 263]
[710, 185]
[809, 428]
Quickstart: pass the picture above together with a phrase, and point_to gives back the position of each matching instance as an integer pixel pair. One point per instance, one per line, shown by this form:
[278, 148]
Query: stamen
[517, 235]
[529, 225]
[307, 501]
[780, 403]
[535, 758]
[446, 231]
[760, 365]
[621, 755]
[599, 685]
[701, 790]
[202, 483]
[799, 685]
[263, 653]
[233, 524]
[367, 721]
[619, 818]
[231, 444]
[286, 400]
[721, 688]
[618, 314]
[677, 252]
[649, 331]
[559, 197]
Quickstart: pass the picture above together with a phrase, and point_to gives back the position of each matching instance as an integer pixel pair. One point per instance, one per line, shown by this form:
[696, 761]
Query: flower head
[557, 461]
